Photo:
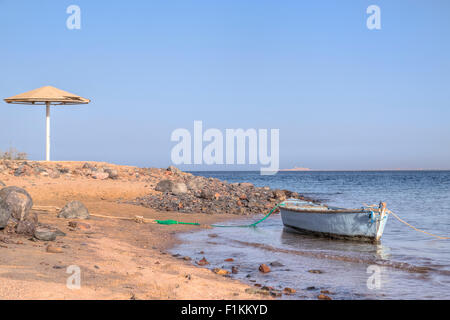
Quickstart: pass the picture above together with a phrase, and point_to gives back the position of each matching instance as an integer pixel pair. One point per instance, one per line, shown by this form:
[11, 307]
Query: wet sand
[118, 259]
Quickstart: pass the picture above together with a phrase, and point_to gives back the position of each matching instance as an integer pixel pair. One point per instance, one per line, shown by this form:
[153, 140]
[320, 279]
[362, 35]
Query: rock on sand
[74, 210]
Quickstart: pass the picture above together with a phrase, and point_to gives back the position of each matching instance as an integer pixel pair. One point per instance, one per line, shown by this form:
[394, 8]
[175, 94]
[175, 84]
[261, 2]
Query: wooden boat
[366, 223]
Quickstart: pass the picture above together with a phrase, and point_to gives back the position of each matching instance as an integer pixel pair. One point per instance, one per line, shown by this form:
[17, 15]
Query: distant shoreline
[326, 170]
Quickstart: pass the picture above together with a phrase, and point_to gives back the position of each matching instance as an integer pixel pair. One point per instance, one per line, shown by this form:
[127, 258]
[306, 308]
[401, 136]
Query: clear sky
[343, 96]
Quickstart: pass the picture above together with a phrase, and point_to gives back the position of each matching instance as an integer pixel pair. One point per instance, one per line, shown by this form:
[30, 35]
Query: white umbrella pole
[47, 145]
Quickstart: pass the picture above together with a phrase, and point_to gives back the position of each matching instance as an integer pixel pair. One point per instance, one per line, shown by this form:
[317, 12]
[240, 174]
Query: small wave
[366, 260]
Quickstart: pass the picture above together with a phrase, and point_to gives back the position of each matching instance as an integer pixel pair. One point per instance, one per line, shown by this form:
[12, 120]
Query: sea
[405, 264]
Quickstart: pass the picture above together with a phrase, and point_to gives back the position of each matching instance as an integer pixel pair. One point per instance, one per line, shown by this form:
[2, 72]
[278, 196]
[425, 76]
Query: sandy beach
[119, 259]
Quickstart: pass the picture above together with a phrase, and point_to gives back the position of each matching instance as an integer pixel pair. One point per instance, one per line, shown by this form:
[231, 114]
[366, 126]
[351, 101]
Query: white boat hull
[352, 225]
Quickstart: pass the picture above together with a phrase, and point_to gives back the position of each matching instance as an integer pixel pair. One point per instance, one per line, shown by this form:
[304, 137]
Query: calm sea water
[407, 264]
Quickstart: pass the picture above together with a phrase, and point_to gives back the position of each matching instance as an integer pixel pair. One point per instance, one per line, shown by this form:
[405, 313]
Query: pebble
[288, 290]
[264, 268]
[315, 271]
[53, 249]
[221, 272]
[202, 262]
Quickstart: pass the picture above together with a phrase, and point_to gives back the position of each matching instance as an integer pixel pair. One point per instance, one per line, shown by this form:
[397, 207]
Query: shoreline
[118, 259]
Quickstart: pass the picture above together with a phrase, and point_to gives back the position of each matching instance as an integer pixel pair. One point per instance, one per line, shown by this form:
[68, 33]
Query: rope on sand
[138, 219]
[141, 219]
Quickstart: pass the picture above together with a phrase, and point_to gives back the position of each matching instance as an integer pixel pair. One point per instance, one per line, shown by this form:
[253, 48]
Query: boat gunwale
[348, 211]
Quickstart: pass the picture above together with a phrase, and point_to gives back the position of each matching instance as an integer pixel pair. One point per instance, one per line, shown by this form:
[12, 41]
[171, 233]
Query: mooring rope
[417, 229]
[141, 219]
[253, 224]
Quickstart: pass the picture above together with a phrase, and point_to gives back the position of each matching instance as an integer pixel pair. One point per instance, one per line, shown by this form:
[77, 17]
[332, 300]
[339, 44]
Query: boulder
[74, 210]
[112, 173]
[164, 186]
[172, 187]
[17, 201]
[45, 234]
[5, 214]
[28, 225]
[179, 188]
[195, 184]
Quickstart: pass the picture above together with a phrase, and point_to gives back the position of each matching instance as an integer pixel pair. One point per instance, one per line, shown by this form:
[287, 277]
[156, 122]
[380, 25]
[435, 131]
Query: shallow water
[407, 264]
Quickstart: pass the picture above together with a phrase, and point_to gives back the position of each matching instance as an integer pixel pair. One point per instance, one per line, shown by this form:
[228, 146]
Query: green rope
[169, 222]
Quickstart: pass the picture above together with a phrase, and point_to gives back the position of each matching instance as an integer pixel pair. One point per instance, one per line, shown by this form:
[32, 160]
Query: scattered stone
[246, 185]
[202, 262]
[288, 290]
[26, 227]
[79, 225]
[257, 291]
[100, 175]
[323, 297]
[326, 292]
[315, 271]
[234, 270]
[174, 170]
[2, 184]
[267, 288]
[229, 260]
[74, 210]
[264, 268]
[186, 258]
[112, 173]
[276, 264]
[53, 249]
[310, 288]
[209, 195]
[45, 234]
[221, 272]
[276, 293]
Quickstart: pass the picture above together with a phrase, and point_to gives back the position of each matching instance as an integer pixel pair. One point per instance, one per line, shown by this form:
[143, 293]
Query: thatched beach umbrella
[47, 95]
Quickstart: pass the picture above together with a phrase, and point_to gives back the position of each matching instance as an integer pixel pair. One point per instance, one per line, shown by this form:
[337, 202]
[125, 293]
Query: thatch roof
[47, 94]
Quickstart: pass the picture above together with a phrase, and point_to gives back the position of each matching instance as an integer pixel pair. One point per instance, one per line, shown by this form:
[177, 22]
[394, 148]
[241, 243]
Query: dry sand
[118, 259]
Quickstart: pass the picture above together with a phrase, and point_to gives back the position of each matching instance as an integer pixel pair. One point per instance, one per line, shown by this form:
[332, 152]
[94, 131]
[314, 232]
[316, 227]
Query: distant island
[296, 169]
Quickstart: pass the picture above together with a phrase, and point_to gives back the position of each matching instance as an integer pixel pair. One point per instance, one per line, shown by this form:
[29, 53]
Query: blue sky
[343, 96]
